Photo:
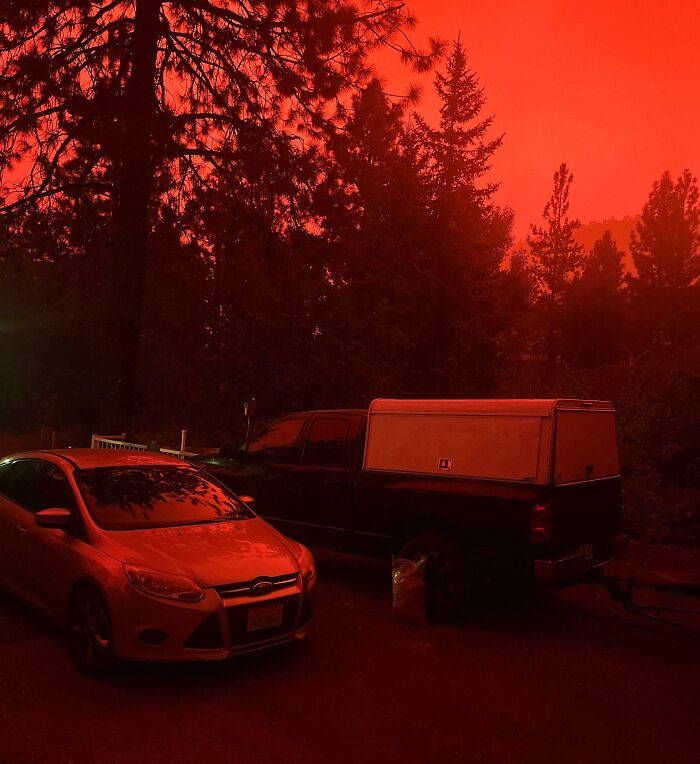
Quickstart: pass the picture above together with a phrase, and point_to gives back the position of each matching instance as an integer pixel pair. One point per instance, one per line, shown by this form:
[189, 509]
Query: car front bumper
[152, 629]
[578, 565]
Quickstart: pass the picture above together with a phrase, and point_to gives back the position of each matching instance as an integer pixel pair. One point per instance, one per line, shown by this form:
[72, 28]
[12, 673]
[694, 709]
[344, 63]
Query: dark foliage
[204, 202]
[109, 96]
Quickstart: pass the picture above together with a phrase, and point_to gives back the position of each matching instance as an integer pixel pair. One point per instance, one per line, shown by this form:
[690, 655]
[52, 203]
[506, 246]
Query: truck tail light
[541, 524]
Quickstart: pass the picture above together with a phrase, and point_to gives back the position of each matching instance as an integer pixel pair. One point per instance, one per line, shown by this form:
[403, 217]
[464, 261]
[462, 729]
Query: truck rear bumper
[575, 566]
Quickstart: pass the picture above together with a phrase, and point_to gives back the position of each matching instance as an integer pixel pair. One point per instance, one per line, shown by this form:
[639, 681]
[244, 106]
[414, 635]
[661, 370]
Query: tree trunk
[131, 219]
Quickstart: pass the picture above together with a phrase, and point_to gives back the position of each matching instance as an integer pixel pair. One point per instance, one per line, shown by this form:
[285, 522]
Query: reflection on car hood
[212, 554]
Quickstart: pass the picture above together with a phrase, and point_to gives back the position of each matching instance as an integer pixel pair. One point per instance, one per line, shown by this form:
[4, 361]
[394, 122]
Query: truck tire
[445, 574]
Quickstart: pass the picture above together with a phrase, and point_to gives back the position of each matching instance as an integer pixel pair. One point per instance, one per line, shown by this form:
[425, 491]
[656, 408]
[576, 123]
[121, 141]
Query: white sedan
[142, 556]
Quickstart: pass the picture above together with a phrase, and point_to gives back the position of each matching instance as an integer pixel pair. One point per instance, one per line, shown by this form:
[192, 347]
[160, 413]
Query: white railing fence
[119, 443]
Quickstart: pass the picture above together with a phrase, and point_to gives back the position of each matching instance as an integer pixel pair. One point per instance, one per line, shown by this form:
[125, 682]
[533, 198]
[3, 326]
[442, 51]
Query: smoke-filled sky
[609, 86]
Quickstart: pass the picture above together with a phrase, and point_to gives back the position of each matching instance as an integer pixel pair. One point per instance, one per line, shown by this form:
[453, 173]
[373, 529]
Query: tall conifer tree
[556, 257]
[665, 246]
[469, 235]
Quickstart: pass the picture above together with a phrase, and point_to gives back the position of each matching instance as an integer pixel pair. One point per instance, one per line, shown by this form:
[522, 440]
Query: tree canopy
[106, 97]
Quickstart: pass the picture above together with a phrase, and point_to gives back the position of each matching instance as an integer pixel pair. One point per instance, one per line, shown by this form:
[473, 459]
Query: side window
[278, 441]
[36, 485]
[52, 489]
[327, 442]
[17, 480]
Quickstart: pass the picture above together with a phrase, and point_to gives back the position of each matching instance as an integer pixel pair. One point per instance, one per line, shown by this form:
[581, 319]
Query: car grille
[247, 588]
[238, 622]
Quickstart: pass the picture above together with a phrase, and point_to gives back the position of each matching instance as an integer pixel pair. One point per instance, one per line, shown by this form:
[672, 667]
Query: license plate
[587, 551]
[265, 617]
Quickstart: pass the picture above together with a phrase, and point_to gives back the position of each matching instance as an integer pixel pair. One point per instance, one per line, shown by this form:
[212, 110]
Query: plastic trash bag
[408, 589]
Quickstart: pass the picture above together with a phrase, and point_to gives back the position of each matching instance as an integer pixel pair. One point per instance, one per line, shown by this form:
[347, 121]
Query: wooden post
[183, 443]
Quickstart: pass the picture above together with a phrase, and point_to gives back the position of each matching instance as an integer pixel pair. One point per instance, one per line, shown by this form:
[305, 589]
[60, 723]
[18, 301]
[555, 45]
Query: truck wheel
[445, 574]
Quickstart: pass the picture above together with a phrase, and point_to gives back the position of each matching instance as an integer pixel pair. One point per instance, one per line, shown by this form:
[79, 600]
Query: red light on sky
[608, 87]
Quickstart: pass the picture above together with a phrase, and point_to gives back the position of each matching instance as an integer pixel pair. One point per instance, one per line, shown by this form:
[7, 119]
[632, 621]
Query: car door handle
[22, 528]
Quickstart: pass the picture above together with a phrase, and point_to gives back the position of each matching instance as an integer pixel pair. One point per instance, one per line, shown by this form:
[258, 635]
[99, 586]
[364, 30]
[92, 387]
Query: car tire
[89, 633]
[446, 575]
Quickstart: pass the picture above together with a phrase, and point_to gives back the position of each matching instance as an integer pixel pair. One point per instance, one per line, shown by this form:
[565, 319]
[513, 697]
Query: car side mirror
[54, 518]
[249, 501]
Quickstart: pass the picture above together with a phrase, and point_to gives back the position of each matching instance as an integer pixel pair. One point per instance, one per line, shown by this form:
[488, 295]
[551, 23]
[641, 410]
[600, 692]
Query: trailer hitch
[623, 589]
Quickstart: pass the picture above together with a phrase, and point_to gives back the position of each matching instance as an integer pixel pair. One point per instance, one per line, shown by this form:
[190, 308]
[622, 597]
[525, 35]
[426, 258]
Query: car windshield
[130, 498]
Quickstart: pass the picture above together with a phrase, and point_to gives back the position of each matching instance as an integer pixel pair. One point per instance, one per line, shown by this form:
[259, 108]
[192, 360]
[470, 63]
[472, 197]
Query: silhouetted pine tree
[469, 235]
[375, 219]
[556, 260]
[593, 316]
[556, 257]
[665, 246]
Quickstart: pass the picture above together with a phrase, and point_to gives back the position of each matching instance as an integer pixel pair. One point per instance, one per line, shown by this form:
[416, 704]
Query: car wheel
[90, 639]
[445, 574]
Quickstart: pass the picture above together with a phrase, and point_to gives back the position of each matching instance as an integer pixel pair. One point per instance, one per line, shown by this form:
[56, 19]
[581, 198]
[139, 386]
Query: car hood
[212, 554]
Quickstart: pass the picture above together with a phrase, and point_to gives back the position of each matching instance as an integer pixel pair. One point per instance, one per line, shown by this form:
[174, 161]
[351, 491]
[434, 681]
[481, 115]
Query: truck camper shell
[546, 442]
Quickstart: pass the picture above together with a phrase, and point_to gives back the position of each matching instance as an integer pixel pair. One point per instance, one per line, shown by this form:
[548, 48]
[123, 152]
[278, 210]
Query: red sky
[612, 88]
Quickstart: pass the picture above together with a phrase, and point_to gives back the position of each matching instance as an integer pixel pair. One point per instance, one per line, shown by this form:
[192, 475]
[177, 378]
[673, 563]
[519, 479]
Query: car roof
[87, 458]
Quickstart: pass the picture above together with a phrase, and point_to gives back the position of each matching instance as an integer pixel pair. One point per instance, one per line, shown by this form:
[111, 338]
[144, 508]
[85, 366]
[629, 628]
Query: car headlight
[307, 567]
[167, 585]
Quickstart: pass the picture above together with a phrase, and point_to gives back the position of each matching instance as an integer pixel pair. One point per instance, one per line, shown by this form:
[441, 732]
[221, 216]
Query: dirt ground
[572, 678]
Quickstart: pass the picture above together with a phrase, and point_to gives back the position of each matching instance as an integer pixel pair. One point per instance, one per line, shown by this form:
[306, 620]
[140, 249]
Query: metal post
[249, 410]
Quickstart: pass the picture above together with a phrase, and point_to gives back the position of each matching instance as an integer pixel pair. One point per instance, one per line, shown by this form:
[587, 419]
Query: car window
[17, 480]
[327, 442]
[52, 489]
[131, 498]
[37, 485]
[278, 441]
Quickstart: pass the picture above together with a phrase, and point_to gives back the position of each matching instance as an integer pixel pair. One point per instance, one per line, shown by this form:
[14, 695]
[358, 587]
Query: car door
[261, 467]
[15, 482]
[42, 561]
[320, 484]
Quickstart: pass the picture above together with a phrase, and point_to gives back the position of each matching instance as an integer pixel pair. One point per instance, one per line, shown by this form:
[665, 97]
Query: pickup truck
[528, 489]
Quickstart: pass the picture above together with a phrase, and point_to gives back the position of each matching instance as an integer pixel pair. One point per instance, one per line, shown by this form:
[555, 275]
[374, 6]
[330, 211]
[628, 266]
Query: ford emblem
[262, 587]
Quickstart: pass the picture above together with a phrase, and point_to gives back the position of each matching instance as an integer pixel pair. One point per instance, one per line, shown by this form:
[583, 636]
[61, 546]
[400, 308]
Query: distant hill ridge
[590, 232]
